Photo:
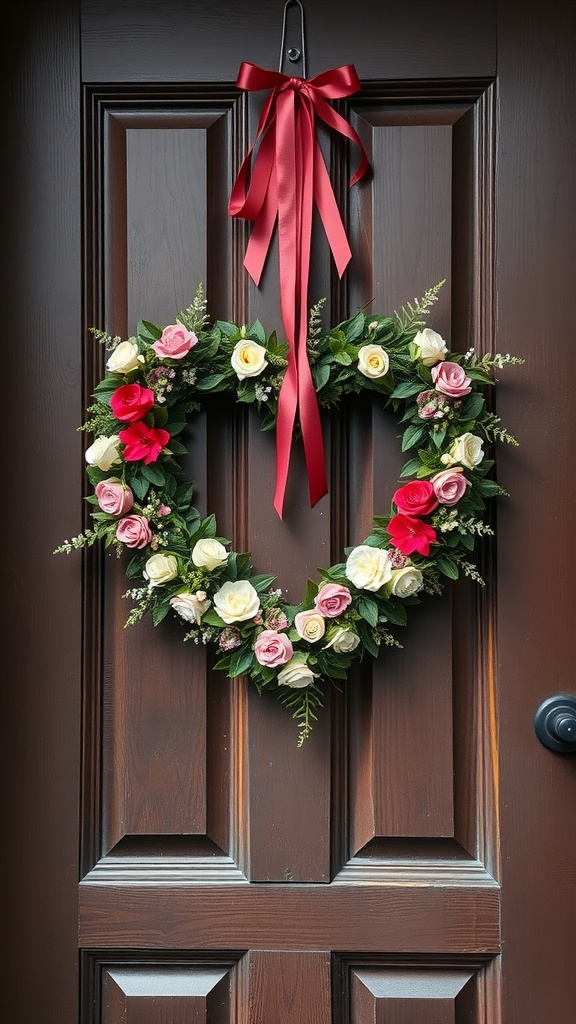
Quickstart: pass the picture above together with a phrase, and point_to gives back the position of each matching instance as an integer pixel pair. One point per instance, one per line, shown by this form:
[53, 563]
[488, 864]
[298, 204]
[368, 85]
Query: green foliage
[437, 431]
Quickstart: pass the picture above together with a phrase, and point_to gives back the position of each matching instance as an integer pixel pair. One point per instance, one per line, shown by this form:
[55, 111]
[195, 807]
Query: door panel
[403, 865]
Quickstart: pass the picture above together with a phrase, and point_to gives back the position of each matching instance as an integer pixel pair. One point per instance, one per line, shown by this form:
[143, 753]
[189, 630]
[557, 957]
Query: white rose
[406, 581]
[160, 568]
[310, 625]
[124, 358]
[296, 674]
[368, 568]
[430, 346]
[104, 453]
[373, 361]
[236, 602]
[343, 640]
[209, 553]
[191, 607]
[248, 359]
[466, 449]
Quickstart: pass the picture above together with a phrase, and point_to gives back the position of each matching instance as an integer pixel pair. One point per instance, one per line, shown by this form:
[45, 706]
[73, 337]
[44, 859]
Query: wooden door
[172, 855]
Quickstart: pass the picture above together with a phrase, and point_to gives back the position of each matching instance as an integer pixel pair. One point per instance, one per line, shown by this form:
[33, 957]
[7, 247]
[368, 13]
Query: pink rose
[450, 485]
[272, 648]
[332, 599]
[175, 342]
[415, 498]
[131, 402]
[113, 497]
[451, 379]
[134, 531]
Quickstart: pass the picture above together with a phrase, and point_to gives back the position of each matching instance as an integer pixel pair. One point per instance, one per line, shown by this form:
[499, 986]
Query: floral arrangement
[141, 502]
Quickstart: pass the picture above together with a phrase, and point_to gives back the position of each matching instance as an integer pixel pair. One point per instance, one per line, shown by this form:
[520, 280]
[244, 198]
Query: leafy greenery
[182, 566]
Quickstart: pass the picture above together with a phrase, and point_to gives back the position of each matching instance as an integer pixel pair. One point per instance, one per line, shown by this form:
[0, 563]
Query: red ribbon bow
[288, 177]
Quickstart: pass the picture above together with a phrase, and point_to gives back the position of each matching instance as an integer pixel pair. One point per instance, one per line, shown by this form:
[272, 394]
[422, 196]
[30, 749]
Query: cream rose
[191, 607]
[467, 450]
[124, 358]
[236, 602]
[342, 640]
[160, 569]
[406, 581]
[310, 625]
[430, 347]
[104, 452]
[368, 568]
[296, 673]
[248, 359]
[209, 553]
[373, 361]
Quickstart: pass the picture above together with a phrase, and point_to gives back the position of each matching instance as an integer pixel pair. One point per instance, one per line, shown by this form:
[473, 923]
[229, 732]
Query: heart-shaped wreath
[142, 501]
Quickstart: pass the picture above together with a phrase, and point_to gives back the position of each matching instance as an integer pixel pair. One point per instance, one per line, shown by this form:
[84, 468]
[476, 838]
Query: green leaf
[447, 566]
[395, 613]
[262, 582]
[410, 468]
[355, 327]
[257, 331]
[148, 331]
[159, 612]
[240, 662]
[320, 375]
[412, 436]
[139, 485]
[473, 406]
[343, 358]
[211, 618]
[368, 610]
[210, 382]
[177, 448]
[227, 329]
[487, 488]
[154, 474]
[406, 389]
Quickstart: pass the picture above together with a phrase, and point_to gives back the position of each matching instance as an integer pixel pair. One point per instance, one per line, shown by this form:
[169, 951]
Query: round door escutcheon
[555, 724]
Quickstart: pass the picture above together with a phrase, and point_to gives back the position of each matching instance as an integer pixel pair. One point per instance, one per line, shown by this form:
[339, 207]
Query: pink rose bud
[134, 531]
[164, 510]
[113, 497]
[450, 485]
[451, 379]
[272, 648]
[332, 599]
[175, 342]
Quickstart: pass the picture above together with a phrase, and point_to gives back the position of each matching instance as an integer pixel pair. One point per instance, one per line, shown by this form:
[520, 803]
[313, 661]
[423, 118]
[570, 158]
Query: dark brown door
[171, 855]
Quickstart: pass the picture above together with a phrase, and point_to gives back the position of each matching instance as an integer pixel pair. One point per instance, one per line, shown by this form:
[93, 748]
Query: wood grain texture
[292, 987]
[406, 917]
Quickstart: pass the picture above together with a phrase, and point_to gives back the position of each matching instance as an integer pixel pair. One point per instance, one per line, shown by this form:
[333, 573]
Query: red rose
[131, 402]
[409, 534]
[416, 498]
[143, 443]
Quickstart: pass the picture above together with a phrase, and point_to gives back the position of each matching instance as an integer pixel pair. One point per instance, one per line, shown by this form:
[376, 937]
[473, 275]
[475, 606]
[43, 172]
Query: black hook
[293, 53]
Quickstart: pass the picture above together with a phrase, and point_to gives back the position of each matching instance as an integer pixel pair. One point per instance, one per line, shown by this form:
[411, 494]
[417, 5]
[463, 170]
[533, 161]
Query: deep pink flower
[416, 498]
[143, 443]
[131, 402]
[410, 534]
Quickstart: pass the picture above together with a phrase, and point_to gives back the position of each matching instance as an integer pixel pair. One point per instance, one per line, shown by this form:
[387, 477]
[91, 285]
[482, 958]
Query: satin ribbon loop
[281, 178]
